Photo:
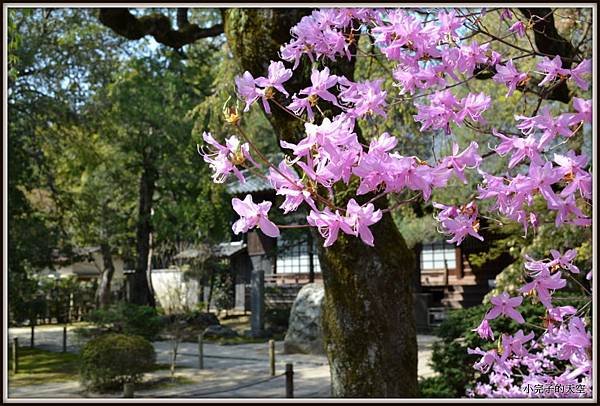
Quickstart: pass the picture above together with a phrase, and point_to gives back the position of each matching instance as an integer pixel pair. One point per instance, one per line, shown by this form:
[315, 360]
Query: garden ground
[240, 370]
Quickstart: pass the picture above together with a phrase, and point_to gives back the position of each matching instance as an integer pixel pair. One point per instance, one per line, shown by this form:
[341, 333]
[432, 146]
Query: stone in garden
[305, 334]
[203, 320]
[217, 331]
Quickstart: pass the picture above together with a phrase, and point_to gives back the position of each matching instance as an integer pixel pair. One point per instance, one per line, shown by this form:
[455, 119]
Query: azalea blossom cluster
[560, 356]
[431, 59]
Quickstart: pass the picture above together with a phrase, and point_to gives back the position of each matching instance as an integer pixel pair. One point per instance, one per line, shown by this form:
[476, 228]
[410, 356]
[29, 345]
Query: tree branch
[548, 41]
[182, 18]
[122, 22]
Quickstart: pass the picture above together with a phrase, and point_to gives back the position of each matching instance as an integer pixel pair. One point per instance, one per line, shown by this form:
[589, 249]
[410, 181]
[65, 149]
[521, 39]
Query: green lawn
[39, 366]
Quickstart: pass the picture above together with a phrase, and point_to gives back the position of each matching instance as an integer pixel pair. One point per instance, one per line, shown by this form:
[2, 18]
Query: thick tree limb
[159, 26]
[549, 41]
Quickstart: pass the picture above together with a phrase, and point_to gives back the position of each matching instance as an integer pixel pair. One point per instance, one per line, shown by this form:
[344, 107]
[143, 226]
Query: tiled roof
[253, 184]
[227, 249]
[222, 250]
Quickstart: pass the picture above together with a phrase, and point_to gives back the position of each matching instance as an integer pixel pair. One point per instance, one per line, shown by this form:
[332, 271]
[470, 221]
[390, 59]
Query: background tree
[76, 179]
[47, 48]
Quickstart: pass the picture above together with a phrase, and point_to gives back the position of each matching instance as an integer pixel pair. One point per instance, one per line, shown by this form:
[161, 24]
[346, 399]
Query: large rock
[305, 334]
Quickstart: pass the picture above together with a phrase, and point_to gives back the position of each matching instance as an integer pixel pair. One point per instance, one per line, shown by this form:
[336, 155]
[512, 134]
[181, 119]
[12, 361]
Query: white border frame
[6, 6]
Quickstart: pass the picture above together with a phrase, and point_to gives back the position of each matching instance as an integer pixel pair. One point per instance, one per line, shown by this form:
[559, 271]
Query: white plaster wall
[172, 292]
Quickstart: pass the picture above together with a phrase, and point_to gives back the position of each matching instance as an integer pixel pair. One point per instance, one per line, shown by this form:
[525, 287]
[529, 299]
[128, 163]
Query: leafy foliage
[129, 319]
[450, 359]
[109, 361]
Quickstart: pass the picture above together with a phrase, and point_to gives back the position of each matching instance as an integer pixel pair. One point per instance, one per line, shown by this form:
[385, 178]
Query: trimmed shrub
[110, 360]
[127, 318]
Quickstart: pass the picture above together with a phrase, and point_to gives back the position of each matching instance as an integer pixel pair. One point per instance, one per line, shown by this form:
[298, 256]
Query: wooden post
[128, 390]
[289, 380]
[15, 355]
[272, 356]
[311, 258]
[64, 349]
[32, 335]
[200, 351]
[257, 298]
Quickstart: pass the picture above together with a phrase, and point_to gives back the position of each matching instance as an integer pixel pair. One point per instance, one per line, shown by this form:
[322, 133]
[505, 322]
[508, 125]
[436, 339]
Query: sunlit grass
[39, 366]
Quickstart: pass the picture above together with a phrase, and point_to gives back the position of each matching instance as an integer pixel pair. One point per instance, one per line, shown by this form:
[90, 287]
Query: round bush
[110, 360]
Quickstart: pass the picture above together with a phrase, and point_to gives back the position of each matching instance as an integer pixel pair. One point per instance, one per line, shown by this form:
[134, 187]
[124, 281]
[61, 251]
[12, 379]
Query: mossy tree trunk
[368, 321]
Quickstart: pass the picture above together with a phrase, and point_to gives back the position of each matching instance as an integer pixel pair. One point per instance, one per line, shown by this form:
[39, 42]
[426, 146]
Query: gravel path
[230, 371]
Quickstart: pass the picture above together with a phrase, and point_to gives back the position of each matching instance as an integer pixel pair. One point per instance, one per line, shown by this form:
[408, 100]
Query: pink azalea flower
[552, 68]
[572, 339]
[473, 106]
[407, 79]
[366, 97]
[556, 314]
[505, 305]
[252, 215]
[414, 176]
[518, 28]
[514, 344]
[429, 76]
[581, 181]
[484, 330]
[449, 23]
[506, 14]
[384, 143]
[220, 159]
[276, 76]
[359, 218]
[584, 111]
[564, 260]
[543, 283]
[298, 105]
[246, 88]
[458, 222]
[488, 360]
[472, 55]
[509, 75]
[439, 113]
[571, 163]
[550, 125]
[577, 73]
[328, 224]
[568, 212]
[523, 147]
[460, 227]
[321, 81]
[542, 178]
[288, 184]
[459, 162]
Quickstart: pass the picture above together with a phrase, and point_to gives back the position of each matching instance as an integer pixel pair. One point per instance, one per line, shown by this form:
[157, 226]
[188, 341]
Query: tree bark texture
[550, 42]
[141, 292]
[103, 293]
[368, 321]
